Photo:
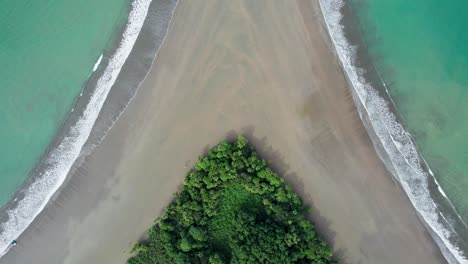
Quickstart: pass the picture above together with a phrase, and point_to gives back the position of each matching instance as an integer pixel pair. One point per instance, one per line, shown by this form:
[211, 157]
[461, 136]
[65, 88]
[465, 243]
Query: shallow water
[395, 43]
[48, 49]
[419, 48]
[419, 51]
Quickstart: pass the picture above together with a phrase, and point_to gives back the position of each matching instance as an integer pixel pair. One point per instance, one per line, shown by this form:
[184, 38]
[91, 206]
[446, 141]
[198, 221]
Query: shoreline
[382, 122]
[451, 217]
[227, 65]
[45, 179]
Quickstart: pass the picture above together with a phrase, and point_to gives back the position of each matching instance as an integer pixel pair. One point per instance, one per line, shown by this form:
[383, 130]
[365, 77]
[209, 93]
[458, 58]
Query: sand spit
[261, 68]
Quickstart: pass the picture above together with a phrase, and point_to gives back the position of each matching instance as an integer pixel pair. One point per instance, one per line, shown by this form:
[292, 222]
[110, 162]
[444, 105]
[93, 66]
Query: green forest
[233, 209]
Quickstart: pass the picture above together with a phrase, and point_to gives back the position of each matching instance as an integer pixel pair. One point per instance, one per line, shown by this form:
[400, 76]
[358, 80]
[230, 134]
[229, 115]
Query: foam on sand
[61, 159]
[393, 143]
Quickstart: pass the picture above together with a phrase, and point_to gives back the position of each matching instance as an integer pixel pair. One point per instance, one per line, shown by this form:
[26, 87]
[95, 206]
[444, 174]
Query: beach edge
[439, 229]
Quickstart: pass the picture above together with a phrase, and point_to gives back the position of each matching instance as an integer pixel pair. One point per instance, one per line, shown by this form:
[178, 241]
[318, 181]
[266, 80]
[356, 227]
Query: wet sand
[260, 68]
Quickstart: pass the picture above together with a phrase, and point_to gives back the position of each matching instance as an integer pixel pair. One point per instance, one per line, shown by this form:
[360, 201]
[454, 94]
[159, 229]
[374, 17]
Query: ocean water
[123, 64]
[48, 49]
[64, 47]
[421, 51]
[423, 58]
[407, 62]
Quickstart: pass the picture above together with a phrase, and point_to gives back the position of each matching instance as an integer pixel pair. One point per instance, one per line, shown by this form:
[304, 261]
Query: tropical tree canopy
[233, 209]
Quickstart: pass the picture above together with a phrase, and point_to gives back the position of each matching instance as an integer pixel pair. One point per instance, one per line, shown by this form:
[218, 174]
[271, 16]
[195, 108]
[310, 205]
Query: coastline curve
[61, 158]
[392, 142]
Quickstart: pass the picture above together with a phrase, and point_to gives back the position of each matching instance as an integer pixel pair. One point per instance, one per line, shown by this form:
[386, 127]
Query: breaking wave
[59, 162]
[392, 142]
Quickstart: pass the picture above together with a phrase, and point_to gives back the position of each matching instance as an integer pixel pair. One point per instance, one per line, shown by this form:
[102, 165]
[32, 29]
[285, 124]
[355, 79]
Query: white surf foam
[396, 141]
[62, 158]
[96, 65]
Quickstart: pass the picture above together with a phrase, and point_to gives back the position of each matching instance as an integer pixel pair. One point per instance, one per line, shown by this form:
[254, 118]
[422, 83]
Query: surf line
[61, 158]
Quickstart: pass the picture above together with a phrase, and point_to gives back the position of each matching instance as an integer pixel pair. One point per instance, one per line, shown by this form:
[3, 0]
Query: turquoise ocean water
[421, 51]
[48, 50]
[418, 50]
[60, 60]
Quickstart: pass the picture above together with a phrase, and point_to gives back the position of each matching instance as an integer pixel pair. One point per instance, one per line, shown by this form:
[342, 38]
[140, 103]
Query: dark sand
[261, 68]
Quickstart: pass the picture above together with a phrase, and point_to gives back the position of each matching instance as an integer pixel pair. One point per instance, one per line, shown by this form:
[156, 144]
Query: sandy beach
[259, 68]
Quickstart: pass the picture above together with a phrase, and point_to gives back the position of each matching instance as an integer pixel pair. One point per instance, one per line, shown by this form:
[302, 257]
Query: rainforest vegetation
[233, 209]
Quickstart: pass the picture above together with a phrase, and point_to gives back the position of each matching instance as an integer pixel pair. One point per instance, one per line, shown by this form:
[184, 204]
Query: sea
[407, 62]
[48, 49]
[59, 62]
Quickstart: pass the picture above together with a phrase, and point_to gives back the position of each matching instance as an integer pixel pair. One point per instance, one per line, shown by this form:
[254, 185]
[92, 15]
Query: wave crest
[399, 150]
[61, 158]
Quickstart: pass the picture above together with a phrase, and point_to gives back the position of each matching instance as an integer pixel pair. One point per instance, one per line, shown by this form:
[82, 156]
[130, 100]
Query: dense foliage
[233, 209]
